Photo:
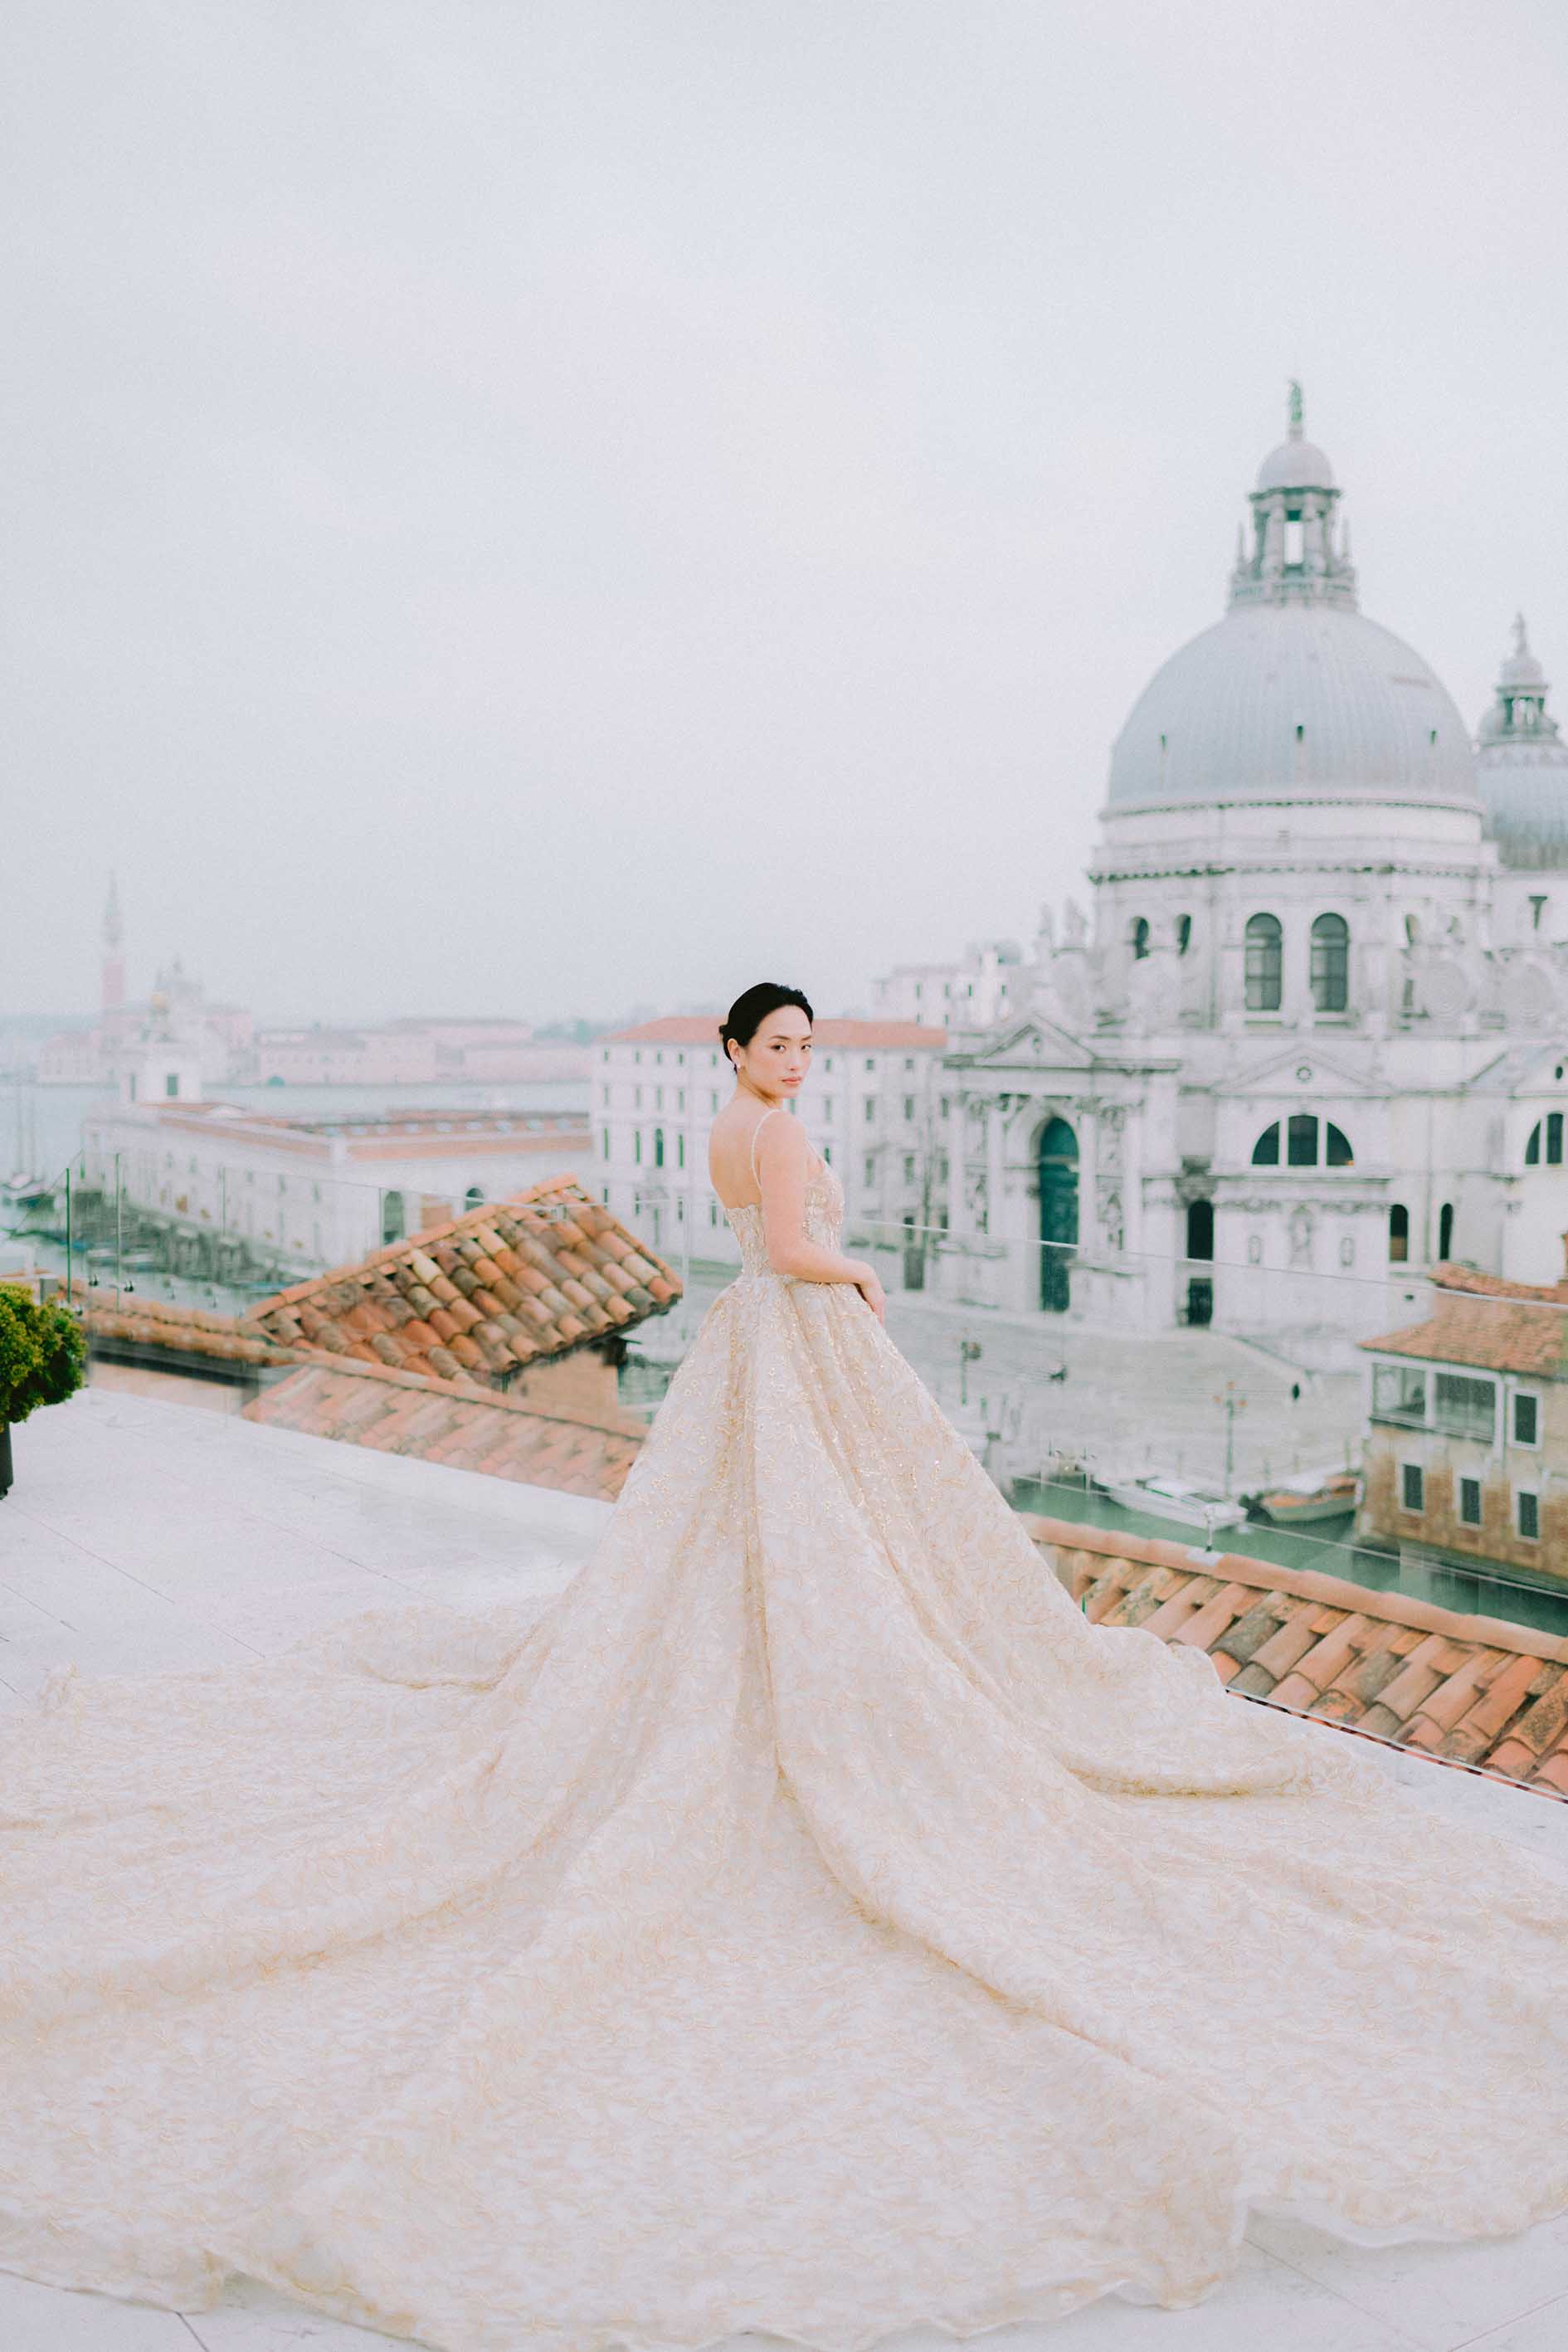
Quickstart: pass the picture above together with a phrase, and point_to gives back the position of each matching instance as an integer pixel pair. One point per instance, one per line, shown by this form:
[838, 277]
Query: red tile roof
[497, 1289]
[1478, 1319]
[1475, 1691]
[399, 1413]
[702, 1029]
[182, 1330]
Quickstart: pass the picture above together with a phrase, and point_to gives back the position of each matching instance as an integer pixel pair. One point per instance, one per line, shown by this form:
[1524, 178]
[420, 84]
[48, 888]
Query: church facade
[1311, 1036]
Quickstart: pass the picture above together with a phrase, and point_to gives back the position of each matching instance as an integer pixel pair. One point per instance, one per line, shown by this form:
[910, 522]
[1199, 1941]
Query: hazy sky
[529, 509]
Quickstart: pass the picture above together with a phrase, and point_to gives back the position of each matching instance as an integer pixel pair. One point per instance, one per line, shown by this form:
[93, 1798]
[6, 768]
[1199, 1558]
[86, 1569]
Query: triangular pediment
[1298, 1072]
[1033, 1044]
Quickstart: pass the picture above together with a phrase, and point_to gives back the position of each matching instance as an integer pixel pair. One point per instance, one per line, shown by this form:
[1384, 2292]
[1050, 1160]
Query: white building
[875, 1107]
[973, 994]
[1314, 1036]
[308, 1192]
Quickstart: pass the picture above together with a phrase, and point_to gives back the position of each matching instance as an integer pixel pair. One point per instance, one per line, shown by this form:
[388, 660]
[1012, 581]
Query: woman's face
[778, 1055]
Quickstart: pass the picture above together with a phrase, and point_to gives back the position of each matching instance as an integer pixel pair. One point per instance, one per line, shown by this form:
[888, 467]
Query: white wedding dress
[807, 1921]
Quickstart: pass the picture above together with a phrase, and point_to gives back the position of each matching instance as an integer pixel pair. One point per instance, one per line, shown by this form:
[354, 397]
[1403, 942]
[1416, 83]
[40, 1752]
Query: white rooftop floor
[143, 1533]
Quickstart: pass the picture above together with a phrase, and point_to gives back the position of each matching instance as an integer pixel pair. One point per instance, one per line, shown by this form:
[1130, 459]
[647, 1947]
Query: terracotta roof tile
[1478, 1319]
[1475, 1692]
[478, 1298]
[702, 1029]
[396, 1412]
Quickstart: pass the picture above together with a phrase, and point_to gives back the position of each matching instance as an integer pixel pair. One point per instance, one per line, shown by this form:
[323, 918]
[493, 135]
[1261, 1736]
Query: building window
[1140, 938]
[636, 1145]
[1265, 962]
[827, 1154]
[680, 1151]
[1398, 1234]
[1301, 1150]
[1529, 1515]
[712, 1212]
[909, 1106]
[1412, 1487]
[712, 1098]
[1465, 1406]
[1445, 1228]
[1554, 1127]
[604, 1142]
[474, 1197]
[1330, 963]
[1469, 1502]
[909, 1169]
[636, 1098]
[1399, 1393]
[680, 1097]
[870, 1172]
[391, 1226]
[658, 1147]
[1183, 933]
[1526, 1418]
[1311, 1143]
[870, 1106]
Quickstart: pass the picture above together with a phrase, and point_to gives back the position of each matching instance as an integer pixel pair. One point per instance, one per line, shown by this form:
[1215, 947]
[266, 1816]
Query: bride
[806, 1922]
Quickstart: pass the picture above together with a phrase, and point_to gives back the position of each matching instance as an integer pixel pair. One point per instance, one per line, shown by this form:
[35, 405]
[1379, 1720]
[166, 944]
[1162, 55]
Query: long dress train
[806, 1921]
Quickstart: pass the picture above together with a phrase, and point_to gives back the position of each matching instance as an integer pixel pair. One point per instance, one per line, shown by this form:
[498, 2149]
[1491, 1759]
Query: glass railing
[1236, 1408]
[1163, 1416]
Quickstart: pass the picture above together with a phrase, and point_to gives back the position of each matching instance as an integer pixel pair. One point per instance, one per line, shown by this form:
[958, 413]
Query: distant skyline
[545, 510]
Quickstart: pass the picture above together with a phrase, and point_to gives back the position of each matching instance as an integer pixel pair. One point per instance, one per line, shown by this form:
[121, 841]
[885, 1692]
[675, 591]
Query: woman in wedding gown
[807, 1921]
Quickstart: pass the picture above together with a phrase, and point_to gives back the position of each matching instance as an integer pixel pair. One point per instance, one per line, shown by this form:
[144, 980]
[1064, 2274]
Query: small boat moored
[1180, 1499]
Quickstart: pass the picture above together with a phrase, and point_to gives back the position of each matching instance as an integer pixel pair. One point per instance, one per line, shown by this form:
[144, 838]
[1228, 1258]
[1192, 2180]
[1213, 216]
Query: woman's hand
[871, 1291]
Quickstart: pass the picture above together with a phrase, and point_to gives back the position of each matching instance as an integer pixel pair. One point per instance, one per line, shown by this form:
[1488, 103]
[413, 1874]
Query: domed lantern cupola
[1298, 555]
[1521, 765]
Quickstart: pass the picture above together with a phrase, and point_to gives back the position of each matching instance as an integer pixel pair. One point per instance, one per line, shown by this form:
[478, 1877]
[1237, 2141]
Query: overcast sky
[521, 509]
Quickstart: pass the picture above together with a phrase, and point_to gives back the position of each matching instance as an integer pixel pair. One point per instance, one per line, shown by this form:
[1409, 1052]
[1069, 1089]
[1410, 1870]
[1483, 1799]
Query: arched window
[392, 1225]
[1551, 1127]
[474, 1197]
[1309, 1143]
[1398, 1234]
[1140, 936]
[1330, 963]
[658, 1147]
[1265, 962]
[1446, 1229]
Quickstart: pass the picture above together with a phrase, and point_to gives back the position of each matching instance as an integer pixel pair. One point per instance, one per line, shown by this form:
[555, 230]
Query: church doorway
[1059, 1211]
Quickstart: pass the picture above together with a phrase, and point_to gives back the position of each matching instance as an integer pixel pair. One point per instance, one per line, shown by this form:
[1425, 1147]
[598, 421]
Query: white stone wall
[874, 1112]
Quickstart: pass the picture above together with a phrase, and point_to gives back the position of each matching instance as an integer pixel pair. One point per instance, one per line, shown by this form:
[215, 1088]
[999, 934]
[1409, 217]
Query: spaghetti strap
[756, 1133]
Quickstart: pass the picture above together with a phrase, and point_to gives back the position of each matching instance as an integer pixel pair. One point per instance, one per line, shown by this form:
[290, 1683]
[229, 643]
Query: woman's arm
[782, 1158]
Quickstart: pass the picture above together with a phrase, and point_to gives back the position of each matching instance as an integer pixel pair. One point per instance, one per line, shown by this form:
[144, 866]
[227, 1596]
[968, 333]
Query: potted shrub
[43, 1358]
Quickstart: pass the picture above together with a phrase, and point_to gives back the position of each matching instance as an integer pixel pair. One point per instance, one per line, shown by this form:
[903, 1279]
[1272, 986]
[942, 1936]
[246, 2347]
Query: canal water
[1327, 1546]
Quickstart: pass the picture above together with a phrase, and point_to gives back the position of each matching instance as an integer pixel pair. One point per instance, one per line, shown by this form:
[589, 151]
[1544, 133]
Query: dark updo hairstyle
[751, 1008]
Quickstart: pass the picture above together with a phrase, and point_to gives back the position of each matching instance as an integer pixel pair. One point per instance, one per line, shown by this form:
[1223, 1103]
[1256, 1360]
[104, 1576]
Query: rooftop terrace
[142, 1535]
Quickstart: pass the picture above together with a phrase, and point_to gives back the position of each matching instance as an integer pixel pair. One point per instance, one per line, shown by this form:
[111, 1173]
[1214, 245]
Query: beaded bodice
[824, 1218]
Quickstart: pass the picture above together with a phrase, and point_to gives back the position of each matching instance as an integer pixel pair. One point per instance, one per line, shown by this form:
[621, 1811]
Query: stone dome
[1295, 465]
[1292, 700]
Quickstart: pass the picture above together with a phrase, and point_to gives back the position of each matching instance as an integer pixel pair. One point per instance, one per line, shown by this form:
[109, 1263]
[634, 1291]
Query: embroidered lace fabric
[806, 1921]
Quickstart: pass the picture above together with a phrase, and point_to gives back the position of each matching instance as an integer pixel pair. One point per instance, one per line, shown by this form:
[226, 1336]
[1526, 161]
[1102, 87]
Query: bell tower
[112, 982]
